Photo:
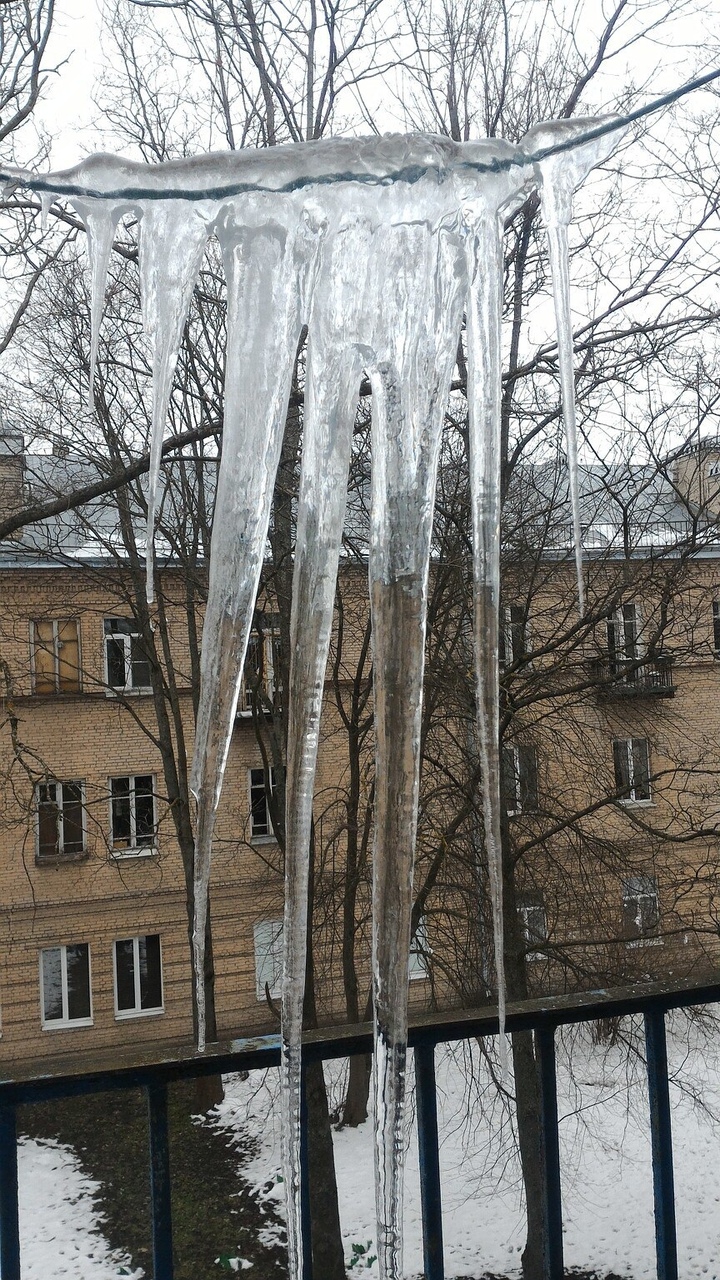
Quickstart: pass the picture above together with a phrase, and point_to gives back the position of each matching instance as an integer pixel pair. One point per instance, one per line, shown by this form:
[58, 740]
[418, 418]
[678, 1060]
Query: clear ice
[380, 246]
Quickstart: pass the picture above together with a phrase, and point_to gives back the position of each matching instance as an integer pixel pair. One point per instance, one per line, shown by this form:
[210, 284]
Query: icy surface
[379, 246]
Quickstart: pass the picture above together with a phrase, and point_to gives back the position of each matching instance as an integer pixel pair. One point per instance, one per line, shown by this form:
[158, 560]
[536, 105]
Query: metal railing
[541, 1017]
[630, 678]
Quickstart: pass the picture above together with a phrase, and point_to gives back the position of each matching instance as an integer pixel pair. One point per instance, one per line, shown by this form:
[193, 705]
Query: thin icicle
[46, 203]
[484, 316]
[334, 371]
[100, 219]
[173, 235]
[560, 176]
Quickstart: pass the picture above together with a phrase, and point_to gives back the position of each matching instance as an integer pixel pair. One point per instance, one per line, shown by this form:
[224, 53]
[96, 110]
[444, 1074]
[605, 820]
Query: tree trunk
[327, 1246]
[355, 1106]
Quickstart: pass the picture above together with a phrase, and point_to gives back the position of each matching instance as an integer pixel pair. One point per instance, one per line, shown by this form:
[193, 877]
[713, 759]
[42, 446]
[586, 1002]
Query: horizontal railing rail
[154, 1067]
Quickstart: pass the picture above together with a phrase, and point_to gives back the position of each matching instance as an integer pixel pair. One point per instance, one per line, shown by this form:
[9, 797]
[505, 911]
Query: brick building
[611, 760]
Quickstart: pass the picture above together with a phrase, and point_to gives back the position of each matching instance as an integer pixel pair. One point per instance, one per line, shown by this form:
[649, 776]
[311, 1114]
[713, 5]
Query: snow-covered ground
[60, 1226]
[607, 1178]
[605, 1151]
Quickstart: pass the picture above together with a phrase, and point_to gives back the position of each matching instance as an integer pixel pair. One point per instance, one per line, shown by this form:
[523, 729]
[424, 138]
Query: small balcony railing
[541, 1017]
[626, 678]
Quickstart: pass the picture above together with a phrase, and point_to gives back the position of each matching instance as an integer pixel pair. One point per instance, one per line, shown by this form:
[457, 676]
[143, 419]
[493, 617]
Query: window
[632, 770]
[261, 827]
[138, 976]
[65, 986]
[268, 958]
[132, 813]
[127, 664]
[60, 811]
[641, 914]
[533, 924]
[511, 639]
[623, 634]
[716, 628]
[259, 673]
[519, 780]
[55, 656]
[419, 953]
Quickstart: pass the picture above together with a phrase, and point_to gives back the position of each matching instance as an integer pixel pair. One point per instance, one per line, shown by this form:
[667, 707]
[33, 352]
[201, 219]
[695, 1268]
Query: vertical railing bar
[429, 1155]
[160, 1185]
[305, 1180]
[662, 1155]
[9, 1218]
[553, 1242]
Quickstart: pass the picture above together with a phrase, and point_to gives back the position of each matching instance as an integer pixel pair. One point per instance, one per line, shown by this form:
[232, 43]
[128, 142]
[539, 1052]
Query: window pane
[72, 818]
[68, 657]
[125, 974]
[144, 810]
[259, 820]
[641, 770]
[150, 977]
[44, 657]
[115, 663]
[509, 780]
[52, 984]
[47, 820]
[528, 779]
[120, 807]
[78, 980]
[140, 665]
[622, 771]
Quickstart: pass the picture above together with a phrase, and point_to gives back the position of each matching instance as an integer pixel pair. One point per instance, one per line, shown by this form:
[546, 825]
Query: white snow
[60, 1224]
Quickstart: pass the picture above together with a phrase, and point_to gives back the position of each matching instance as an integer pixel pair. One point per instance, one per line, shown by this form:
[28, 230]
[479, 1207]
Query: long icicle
[263, 332]
[334, 370]
[419, 312]
[100, 219]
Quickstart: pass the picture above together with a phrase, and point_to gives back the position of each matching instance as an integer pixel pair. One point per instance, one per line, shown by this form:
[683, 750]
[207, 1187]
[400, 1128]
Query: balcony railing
[626, 678]
[541, 1017]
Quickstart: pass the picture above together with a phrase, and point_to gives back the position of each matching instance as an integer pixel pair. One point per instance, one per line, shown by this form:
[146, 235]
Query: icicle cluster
[379, 246]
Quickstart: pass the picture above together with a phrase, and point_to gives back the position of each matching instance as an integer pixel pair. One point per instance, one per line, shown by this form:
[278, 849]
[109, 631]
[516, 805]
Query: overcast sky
[65, 111]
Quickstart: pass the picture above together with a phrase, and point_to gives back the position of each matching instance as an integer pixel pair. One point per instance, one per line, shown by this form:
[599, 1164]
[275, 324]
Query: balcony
[102, 1071]
[633, 678]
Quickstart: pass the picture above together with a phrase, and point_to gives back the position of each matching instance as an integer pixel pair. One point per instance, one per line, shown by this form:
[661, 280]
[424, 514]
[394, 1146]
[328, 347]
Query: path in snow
[60, 1224]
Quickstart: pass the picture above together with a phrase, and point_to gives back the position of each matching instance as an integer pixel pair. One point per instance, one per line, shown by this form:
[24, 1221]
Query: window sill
[60, 859]
[127, 1015]
[634, 943]
[637, 804]
[59, 1024]
[138, 851]
[271, 839]
[115, 691]
[418, 977]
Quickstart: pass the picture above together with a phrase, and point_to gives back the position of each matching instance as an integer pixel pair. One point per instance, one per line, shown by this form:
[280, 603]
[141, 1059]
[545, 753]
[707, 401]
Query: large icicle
[100, 219]
[378, 244]
[414, 290]
[560, 175]
[482, 209]
[334, 370]
[262, 267]
[173, 235]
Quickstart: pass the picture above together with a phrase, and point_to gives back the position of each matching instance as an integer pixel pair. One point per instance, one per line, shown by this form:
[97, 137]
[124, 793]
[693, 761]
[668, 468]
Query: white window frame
[122, 1015]
[631, 799]
[247, 692]
[420, 953]
[716, 628]
[268, 939]
[57, 645]
[126, 640]
[507, 629]
[134, 850]
[58, 1024]
[533, 936]
[515, 750]
[623, 639]
[637, 889]
[60, 851]
[268, 836]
